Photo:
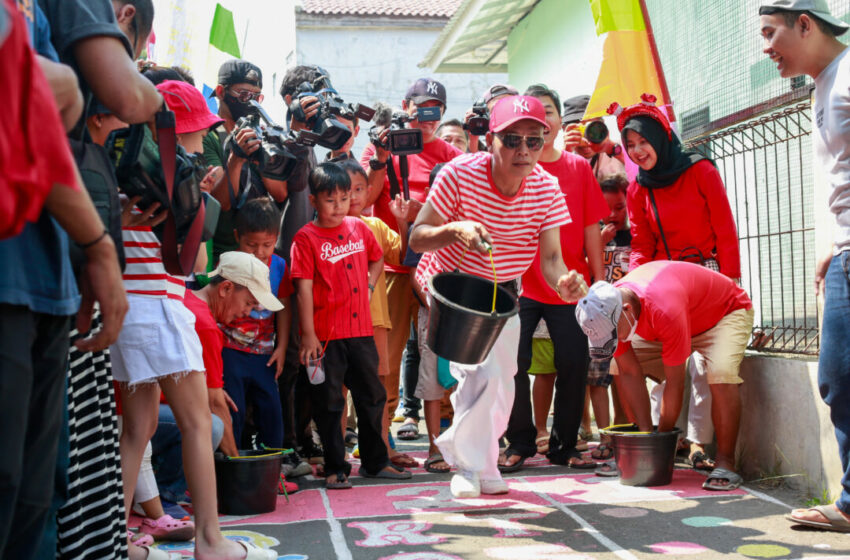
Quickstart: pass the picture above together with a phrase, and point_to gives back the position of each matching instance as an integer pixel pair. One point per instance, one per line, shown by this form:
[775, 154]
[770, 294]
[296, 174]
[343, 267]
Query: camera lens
[596, 132]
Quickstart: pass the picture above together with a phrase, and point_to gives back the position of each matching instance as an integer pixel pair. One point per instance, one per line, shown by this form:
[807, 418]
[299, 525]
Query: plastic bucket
[462, 326]
[643, 459]
[247, 485]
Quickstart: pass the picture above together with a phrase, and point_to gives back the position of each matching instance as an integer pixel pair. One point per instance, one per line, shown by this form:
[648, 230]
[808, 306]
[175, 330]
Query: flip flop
[341, 482]
[701, 462]
[404, 461]
[436, 458]
[408, 431]
[836, 521]
[542, 444]
[603, 452]
[719, 474]
[159, 554]
[390, 471]
[583, 466]
[607, 469]
[516, 466]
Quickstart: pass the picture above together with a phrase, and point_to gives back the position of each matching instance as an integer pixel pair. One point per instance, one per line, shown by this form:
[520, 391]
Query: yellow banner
[617, 15]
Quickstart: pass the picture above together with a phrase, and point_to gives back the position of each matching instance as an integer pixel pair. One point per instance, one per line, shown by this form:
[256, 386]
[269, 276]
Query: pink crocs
[166, 528]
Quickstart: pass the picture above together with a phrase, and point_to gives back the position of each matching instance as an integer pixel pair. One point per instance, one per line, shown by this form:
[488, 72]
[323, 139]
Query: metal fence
[766, 166]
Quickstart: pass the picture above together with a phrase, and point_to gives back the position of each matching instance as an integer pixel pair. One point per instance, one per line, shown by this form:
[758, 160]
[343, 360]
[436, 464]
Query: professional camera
[594, 132]
[326, 130]
[273, 159]
[479, 124]
[403, 141]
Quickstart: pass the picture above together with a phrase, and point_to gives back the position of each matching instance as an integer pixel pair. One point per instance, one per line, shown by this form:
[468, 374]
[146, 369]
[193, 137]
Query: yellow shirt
[390, 242]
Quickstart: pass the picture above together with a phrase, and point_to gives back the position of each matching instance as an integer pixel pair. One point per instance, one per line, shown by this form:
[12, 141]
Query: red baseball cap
[515, 108]
[189, 106]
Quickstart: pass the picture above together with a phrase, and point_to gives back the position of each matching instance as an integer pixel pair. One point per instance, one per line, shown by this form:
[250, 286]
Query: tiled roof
[401, 8]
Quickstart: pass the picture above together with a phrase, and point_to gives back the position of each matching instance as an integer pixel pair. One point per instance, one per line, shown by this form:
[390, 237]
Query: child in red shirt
[336, 262]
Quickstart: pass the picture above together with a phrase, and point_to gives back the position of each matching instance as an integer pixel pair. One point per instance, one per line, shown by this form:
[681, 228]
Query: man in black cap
[493, 94]
[403, 305]
[239, 82]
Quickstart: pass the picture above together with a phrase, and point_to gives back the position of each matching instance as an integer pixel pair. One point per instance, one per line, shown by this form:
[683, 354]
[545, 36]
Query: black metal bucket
[462, 327]
[247, 485]
[643, 459]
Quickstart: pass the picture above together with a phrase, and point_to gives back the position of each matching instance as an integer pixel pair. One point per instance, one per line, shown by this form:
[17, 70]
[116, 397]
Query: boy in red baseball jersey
[336, 262]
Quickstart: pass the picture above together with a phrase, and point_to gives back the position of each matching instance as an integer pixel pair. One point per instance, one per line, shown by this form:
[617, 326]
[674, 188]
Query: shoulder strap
[177, 261]
[658, 221]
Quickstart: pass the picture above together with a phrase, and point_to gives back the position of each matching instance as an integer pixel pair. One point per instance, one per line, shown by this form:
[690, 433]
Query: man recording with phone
[424, 93]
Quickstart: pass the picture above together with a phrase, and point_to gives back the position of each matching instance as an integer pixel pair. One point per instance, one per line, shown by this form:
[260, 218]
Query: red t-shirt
[587, 206]
[212, 339]
[420, 165]
[337, 261]
[695, 213]
[464, 191]
[680, 300]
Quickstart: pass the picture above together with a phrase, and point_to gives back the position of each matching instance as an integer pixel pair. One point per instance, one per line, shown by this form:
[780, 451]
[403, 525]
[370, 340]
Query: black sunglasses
[512, 141]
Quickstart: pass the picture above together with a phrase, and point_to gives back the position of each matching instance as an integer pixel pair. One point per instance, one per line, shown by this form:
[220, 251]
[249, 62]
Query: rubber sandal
[159, 554]
[341, 482]
[139, 539]
[701, 462]
[254, 552]
[718, 474]
[516, 466]
[603, 452]
[166, 528]
[607, 469]
[436, 458]
[583, 466]
[404, 461]
[836, 521]
[390, 471]
[542, 444]
[408, 431]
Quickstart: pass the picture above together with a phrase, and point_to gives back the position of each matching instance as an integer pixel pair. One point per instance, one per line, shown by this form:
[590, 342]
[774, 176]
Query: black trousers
[33, 362]
[352, 362]
[571, 358]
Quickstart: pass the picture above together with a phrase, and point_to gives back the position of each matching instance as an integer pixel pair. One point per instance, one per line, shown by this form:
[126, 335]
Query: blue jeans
[834, 363]
[247, 378]
[167, 458]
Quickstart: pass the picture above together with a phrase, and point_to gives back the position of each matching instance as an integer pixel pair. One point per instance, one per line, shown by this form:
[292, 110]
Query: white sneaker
[494, 486]
[465, 485]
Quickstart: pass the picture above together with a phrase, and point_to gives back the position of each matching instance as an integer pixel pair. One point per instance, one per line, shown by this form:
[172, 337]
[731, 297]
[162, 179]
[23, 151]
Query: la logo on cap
[521, 106]
[432, 88]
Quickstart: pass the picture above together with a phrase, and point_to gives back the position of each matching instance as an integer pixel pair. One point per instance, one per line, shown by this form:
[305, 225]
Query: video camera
[401, 140]
[274, 159]
[326, 130]
[595, 132]
[479, 124]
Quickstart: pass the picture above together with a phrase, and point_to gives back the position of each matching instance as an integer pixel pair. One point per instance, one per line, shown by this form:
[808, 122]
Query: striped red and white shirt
[145, 274]
[464, 190]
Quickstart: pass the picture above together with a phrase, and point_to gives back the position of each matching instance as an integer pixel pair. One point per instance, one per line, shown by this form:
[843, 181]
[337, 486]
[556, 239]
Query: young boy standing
[255, 346]
[800, 36]
[336, 262]
[393, 246]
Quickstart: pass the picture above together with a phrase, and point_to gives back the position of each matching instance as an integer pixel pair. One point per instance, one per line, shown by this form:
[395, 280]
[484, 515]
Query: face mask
[632, 330]
[237, 108]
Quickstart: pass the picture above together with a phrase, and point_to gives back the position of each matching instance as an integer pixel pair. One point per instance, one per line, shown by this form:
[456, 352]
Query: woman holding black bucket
[486, 215]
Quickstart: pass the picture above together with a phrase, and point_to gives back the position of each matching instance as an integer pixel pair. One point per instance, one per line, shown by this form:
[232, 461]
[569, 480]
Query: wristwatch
[376, 164]
[618, 149]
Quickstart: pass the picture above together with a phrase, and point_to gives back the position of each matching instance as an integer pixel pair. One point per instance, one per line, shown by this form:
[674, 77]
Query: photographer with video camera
[398, 140]
[230, 147]
[477, 119]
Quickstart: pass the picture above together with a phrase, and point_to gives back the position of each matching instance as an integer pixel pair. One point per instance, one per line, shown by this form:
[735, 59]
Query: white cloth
[158, 339]
[146, 488]
[832, 147]
[482, 403]
[700, 428]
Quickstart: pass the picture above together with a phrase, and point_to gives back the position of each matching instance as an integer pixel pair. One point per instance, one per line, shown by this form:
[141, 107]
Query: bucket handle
[492, 264]
[618, 429]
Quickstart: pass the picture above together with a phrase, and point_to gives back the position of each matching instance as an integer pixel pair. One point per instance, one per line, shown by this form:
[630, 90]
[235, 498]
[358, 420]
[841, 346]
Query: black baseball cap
[425, 89]
[238, 71]
[574, 108]
[498, 89]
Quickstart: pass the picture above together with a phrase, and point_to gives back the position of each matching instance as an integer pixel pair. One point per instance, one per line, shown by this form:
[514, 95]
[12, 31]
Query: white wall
[379, 63]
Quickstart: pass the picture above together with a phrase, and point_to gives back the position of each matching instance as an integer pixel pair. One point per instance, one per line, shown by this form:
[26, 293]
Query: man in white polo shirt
[503, 199]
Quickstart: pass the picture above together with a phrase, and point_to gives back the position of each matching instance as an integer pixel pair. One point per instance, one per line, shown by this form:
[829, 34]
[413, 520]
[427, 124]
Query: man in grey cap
[800, 37]
[651, 321]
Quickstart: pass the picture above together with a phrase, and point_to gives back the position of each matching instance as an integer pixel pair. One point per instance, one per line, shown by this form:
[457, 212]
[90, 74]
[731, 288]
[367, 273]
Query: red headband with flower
[646, 107]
